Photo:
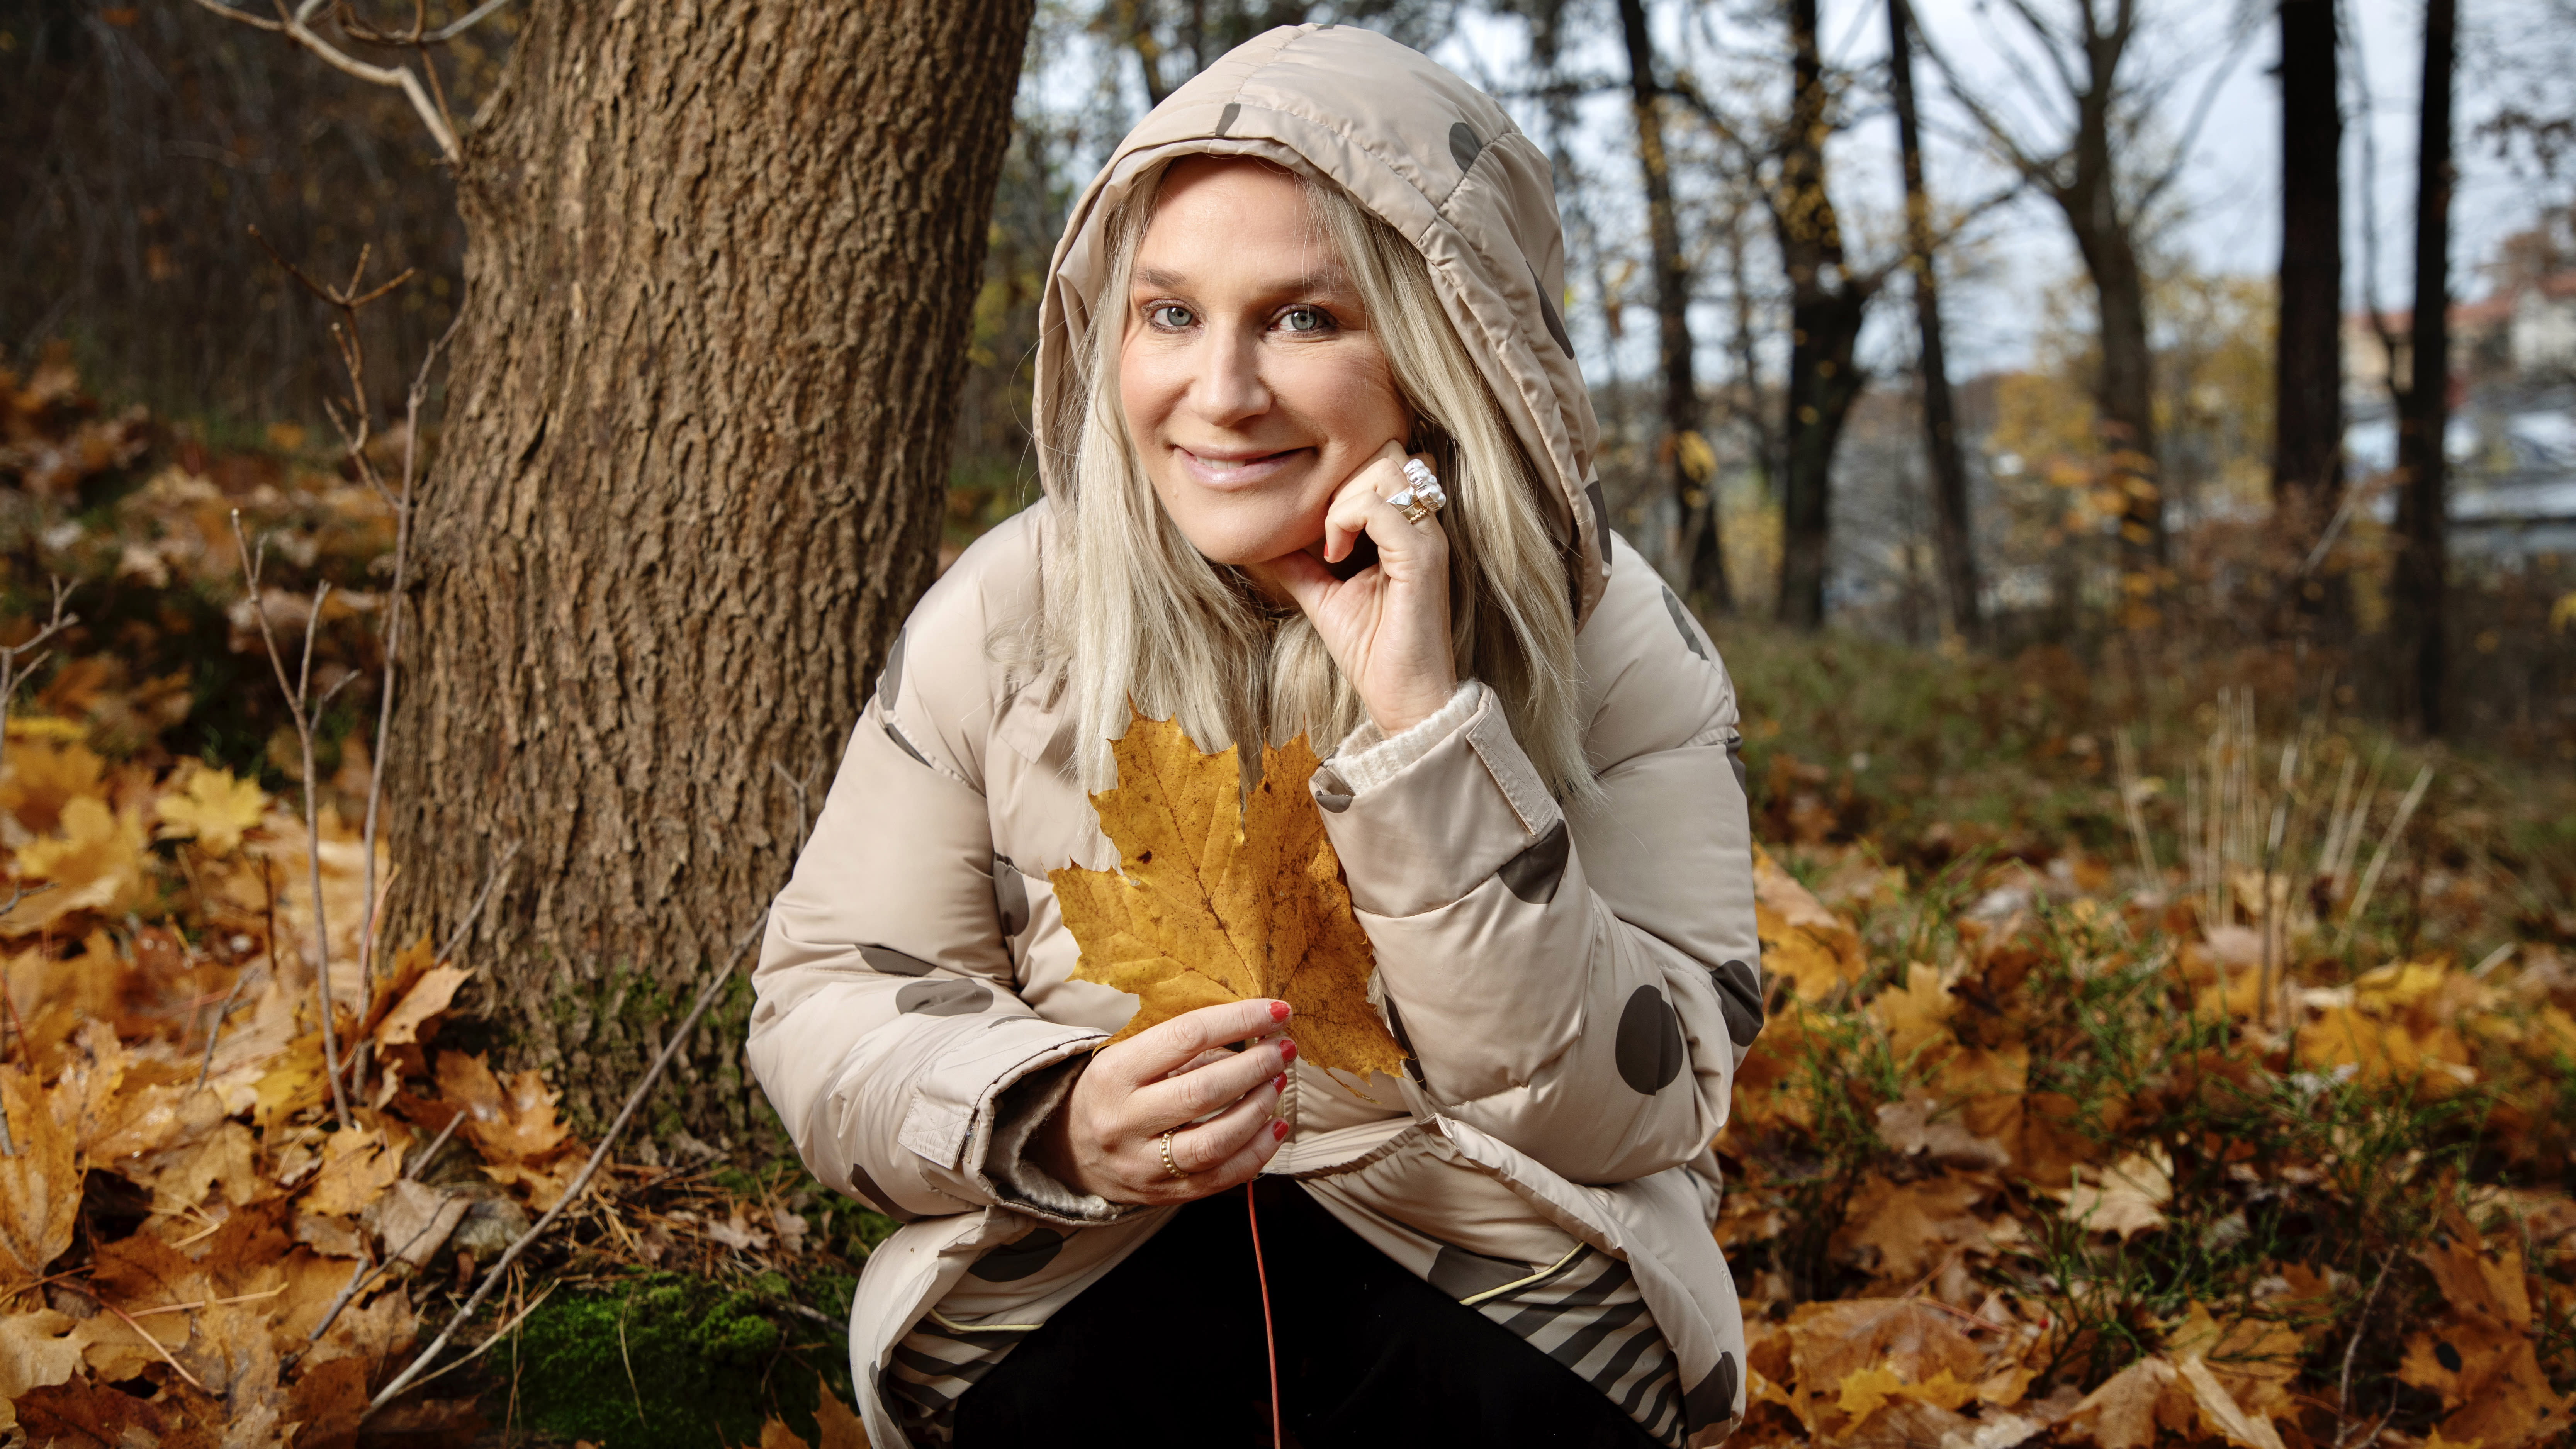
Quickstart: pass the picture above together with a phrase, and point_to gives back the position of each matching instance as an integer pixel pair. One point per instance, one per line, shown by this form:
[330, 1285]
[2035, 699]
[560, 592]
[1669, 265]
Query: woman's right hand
[1107, 1139]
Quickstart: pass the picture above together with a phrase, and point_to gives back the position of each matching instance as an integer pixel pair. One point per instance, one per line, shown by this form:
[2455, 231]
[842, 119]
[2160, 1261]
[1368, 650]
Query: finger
[1247, 1160]
[1382, 474]
[1215, 1142]
[1404, 548]
[1307, 581]
[1212, 1054]
[1154, 1052]
[1191, 1095]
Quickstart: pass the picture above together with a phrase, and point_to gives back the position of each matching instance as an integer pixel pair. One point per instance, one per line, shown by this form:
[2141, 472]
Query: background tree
[2089, 169]
[1699, 559]
[696, 458]
[2424, 401]
[2307, 466]
[1953, 529]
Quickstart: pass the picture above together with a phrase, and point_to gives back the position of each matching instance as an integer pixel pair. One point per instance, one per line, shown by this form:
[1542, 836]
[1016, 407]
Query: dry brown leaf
[1864, 1393]
[1920, 1125]
[2220, 1414]
[427, 998]
[1829, 1342]
[1218, 898]
[40, 1187]
[2480, 1356]
[2125, 1412]
[835, 1426]
[508, 1126]
[357, 1167]
[416, 1220]
[2128, 1199]
[36, 1349]
[1913, 1228]
[1802, 942]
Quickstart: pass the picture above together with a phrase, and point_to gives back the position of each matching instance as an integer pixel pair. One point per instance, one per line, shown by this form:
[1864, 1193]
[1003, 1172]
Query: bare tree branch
[293, 24]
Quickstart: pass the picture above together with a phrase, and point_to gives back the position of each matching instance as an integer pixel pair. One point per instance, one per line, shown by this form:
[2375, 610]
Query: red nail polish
[1279, 1083]
[1279, 1011]
[1287, 1052]
[1278, 1130]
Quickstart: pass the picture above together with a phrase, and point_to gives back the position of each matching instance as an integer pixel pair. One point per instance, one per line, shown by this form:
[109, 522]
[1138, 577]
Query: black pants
[1167, 1350]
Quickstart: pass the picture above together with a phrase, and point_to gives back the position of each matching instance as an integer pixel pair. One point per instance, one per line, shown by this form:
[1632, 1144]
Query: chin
[1241, 540]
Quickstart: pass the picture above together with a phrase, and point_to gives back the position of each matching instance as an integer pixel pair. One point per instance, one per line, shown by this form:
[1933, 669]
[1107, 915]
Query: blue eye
[1169, 314]
[1305, 319]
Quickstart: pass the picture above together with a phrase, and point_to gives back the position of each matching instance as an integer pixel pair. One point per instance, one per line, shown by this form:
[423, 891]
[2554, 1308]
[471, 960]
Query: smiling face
[1251, 382]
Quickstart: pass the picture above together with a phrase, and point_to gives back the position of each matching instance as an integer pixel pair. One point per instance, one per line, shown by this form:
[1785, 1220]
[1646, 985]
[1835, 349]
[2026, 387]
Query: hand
[1107, 1139]
[1387, 626]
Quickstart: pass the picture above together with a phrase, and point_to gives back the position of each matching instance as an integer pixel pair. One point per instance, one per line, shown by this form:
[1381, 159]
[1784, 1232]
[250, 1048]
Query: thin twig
[292, 25]
[298, 700]
[572, 1194]
[215, 1028]
[421, 1163]
[477, 1350]
[2343, 1396]
[193, 1381]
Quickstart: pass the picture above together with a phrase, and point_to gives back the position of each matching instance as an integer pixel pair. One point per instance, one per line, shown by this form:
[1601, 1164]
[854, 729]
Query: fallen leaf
[96, 864]
[1916, 1015]
[1802, 941]
[1830, 1342]
[2220, 1414]
[1219, 898]
[1919, 1124]
[1912, 1228]
[36, 1349]
[416, 1220]
[835, 1426]
[40, 1187]
[45, 775]
[213, 810]
[507, 1125]
[427, 998]
[2129, 1199]
[357, 1166]
[1864, 1393]
[2125, 1412]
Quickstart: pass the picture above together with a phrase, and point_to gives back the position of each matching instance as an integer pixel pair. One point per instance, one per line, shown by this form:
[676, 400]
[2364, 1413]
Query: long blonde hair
[1152, 621]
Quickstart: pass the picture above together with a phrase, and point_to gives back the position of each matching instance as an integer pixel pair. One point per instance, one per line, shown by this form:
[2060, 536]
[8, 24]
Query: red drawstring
[1269, 1336]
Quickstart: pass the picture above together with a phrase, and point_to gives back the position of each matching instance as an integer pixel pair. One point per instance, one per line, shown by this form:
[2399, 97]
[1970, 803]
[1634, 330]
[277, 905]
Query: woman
[1316, 273]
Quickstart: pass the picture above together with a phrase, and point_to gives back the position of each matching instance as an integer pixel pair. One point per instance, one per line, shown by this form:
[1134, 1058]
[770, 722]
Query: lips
[1239, 471]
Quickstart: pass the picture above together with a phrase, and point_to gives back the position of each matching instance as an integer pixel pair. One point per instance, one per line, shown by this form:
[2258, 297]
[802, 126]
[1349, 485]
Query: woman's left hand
[1387, 626]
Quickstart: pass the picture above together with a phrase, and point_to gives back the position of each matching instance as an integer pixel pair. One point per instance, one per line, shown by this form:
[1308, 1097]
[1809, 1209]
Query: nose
[1229, 388]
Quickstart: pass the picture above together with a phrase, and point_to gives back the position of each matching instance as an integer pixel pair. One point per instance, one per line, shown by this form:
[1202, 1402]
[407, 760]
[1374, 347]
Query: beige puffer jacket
[1576, 988]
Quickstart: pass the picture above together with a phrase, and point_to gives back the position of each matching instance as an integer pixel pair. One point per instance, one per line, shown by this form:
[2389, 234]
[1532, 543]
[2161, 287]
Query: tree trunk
[1826, 308]
[1683, 448]
[1953, 533]
[2424, 415]
[720, 270]
[2124, 392]
[2307, 457]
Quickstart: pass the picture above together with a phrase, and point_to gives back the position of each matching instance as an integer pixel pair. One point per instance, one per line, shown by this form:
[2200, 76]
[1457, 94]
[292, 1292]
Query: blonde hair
[1154, 622]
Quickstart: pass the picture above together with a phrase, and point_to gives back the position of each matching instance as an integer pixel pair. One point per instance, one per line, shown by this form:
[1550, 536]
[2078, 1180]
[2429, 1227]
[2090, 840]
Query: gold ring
[1416, 511]
[1168, 1165]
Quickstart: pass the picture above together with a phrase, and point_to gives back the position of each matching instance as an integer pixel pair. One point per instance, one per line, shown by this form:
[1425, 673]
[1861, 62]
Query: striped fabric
[938, 1361]
[1584, 1311]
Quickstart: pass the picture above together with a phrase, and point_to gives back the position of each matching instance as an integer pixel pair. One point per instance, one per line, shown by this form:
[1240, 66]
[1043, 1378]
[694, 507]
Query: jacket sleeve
[887, 1028]
[1581, 987]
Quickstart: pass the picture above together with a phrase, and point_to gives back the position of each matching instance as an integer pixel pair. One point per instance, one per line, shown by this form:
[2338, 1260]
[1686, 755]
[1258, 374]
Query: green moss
[673, 1361]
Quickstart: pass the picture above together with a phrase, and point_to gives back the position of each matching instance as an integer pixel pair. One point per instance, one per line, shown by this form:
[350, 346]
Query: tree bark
[1953, 531]
[2424, 407]
[2307, 458]
[720, 268]
[1703, 569]
[1826, 308]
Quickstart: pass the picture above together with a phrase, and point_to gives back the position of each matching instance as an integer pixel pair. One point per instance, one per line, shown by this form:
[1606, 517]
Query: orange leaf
[40, 1187]
[1218, 901]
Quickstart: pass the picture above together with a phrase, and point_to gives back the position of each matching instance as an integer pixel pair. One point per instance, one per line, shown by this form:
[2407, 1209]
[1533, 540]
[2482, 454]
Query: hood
[1430, 155]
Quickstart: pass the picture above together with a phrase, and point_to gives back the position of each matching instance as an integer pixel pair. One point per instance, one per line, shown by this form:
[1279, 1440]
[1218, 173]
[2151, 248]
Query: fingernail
[1287, 1052]
[1279, 1083]
[1279, 1011]
[1278, 1130]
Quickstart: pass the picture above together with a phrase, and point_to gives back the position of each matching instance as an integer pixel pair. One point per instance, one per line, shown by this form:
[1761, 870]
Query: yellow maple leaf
[40, 1184]
[1220, 898]
[213, 811]
[46, 774]
[1803, 942]
[1865, 1392]
[95, 864]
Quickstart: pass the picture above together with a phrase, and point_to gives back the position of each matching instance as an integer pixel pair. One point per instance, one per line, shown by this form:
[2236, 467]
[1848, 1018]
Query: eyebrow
[1322, 279]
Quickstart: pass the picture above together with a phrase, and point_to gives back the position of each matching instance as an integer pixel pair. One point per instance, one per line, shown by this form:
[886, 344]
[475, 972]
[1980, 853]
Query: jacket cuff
[1012, 1178]
[1369, 757]
[1437, 825]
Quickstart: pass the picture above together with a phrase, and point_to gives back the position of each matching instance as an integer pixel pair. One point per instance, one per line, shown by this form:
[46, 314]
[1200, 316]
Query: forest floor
[2152, 1057]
